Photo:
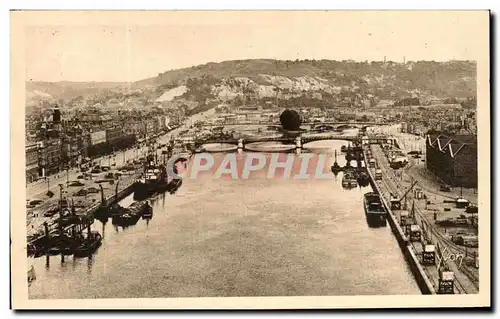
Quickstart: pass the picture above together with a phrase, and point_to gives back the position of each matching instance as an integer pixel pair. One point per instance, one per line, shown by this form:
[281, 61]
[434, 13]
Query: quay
[438, 264]
[84, 207]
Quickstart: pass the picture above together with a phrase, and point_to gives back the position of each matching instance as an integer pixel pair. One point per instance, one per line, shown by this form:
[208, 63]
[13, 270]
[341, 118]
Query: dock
[439, 265]
[84, 206]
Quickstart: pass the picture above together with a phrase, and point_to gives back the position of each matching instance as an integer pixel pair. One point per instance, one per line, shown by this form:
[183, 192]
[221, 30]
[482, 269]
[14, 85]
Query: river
[233, 237]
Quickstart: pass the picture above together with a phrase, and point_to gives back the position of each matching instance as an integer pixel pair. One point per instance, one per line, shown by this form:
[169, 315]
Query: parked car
[109, 175]
[445, 188]
[81, 192]
[95, 171]
[76, 183]
[92, 190]
[51, 212]
[80, 177]
[36, 202]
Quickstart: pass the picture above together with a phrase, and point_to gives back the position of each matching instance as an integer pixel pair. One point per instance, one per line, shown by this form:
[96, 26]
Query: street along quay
[440, 265]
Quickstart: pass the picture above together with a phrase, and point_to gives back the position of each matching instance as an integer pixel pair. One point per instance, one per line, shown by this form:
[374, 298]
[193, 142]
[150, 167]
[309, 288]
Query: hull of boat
[143, 191]
[87, 251]
[375, 217]
[88, 248]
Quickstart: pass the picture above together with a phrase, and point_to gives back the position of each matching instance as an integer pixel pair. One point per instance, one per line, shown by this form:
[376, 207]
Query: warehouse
[453, 159]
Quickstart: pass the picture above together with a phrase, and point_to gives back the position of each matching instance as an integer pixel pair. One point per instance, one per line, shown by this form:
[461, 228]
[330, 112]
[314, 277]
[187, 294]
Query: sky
[125, 47]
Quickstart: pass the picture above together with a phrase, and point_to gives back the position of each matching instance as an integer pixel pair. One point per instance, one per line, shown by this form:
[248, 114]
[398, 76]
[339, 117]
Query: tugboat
[147, 212]
[375, 212]
[88, 245]
[349, 179]
[343, 149]
[175, 183]
[153, 180]
[363, 178]
[336, 167]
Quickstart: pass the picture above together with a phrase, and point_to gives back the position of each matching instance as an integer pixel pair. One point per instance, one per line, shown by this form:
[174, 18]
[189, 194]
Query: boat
[363, 178]
[127, 219]
[55, 250]
[343, 149]
[374, 209]
[88, 245]
[349, 179]
[140, 208]
[129, 216]
[336, 167]
[147, 213]
[153, 180]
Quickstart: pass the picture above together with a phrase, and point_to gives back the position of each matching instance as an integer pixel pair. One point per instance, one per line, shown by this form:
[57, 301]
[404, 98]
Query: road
[39, 189]
[467, 278]
[428, 181]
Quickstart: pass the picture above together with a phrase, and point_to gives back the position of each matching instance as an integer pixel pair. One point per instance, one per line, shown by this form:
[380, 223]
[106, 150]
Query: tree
[290, 120]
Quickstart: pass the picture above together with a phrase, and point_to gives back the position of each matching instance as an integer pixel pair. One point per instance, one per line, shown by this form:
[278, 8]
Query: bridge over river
[311, 124]
[300, 139]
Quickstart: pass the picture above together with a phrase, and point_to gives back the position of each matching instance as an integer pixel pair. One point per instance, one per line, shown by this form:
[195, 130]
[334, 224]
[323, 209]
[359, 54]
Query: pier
[82, 209]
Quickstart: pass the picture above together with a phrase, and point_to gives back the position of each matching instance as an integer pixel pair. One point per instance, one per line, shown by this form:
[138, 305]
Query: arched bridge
[300, 139]
[312, 124]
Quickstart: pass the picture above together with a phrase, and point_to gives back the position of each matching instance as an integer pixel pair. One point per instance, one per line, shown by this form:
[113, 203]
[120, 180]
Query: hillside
[67, 91]
[332, 82]
[442, 79]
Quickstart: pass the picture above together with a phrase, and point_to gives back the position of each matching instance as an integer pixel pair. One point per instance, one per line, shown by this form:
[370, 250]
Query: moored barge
[376, 214]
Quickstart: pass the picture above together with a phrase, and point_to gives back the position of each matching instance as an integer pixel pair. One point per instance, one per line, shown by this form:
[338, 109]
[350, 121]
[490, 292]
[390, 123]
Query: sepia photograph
[286, 159]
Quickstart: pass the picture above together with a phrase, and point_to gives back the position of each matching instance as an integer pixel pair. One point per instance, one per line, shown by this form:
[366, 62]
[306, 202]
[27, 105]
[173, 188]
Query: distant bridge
[356, 124]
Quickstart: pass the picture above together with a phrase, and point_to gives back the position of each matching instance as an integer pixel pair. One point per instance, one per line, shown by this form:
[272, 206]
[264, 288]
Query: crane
[396, 202]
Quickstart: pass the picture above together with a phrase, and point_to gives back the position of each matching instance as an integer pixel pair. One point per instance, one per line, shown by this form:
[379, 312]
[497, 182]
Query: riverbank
[466, 278]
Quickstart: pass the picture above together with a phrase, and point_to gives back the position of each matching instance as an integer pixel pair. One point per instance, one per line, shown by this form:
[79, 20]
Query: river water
[234, 237]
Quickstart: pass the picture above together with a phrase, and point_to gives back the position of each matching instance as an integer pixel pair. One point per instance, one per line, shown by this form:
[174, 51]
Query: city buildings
[32, 168]
[61, 140]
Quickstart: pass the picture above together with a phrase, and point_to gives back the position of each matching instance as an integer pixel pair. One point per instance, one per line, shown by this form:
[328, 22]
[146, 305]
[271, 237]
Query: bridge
[301, 139]
[249, 123]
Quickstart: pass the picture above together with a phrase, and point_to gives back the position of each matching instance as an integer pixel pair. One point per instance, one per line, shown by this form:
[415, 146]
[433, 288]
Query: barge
[376, 214]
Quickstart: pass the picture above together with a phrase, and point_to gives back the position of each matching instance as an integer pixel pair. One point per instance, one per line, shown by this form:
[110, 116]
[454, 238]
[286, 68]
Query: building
[453, 159]
[50, 157]
[113, 134]
[32, 168]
